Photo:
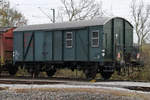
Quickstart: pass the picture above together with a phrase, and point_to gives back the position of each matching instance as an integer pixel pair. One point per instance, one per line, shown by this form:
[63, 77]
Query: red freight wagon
[6, 45]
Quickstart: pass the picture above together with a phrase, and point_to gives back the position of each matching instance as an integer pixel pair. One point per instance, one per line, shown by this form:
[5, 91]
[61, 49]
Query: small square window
[95, 42]
[69, 43]
[95, 34]
[95, 39]
[69, 38]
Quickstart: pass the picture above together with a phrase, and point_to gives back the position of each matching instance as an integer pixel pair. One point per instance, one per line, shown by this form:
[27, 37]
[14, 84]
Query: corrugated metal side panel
[82, 45]
[28, 47]
[118, 36]
[69, 53]
[107, 41]
[128, 37]
[47, 46]
[95, 53]
[57, 45]
[18, 46]
[39, 39]
[43, 46]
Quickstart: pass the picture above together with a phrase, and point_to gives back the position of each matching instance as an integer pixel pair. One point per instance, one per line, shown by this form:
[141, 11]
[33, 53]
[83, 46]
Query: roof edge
[119, 18]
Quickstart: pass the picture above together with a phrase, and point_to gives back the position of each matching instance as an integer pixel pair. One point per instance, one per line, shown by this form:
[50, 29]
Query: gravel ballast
[70, 91]
[37, 95]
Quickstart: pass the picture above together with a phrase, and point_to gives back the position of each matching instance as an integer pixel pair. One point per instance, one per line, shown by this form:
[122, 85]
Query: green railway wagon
[94, 46]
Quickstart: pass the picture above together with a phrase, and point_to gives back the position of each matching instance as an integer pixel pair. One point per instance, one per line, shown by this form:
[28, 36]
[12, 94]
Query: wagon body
[97, 45]
[47, 43]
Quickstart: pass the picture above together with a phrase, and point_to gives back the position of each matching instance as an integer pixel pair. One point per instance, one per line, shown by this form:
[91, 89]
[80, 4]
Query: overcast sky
[30, 8]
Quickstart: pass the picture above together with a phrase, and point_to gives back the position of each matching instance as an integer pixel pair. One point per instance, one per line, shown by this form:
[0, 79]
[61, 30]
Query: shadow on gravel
[3, 88]
[138, 88]
[28, 82]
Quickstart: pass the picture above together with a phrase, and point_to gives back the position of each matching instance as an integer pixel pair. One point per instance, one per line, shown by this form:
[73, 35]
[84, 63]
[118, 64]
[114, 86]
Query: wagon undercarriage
[90, 69]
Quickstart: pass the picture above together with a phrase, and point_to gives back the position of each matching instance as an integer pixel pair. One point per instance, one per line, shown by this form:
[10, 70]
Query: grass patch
[22, 72]
[69, 73]
[143, 74]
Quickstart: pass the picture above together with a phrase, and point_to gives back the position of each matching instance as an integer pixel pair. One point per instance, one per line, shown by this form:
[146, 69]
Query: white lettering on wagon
[16, 55]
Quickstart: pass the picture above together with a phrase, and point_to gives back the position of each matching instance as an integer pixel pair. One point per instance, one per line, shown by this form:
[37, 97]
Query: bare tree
[14, 18]
[148, 38]
[141, 21]
[10, 17]
[71, 10]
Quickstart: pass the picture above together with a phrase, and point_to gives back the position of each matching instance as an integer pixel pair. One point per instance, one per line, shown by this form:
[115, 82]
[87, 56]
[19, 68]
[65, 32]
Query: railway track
[53, 81]
[15, 81]
[62, 79]
[28, 80]
[6, 79]
[43, 78]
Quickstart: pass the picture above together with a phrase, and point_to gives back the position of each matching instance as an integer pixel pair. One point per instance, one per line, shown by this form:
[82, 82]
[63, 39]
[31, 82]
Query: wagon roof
[67, 25]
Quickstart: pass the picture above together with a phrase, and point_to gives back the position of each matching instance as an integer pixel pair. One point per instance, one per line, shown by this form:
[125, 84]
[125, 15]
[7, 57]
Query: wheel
[91, 72]
[90, 75]
[51, 72]
[106, 75]
[12, 70]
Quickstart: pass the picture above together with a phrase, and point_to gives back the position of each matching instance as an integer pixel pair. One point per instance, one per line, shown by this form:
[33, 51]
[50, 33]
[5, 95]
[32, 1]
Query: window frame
[69, 39]
[94, 38]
